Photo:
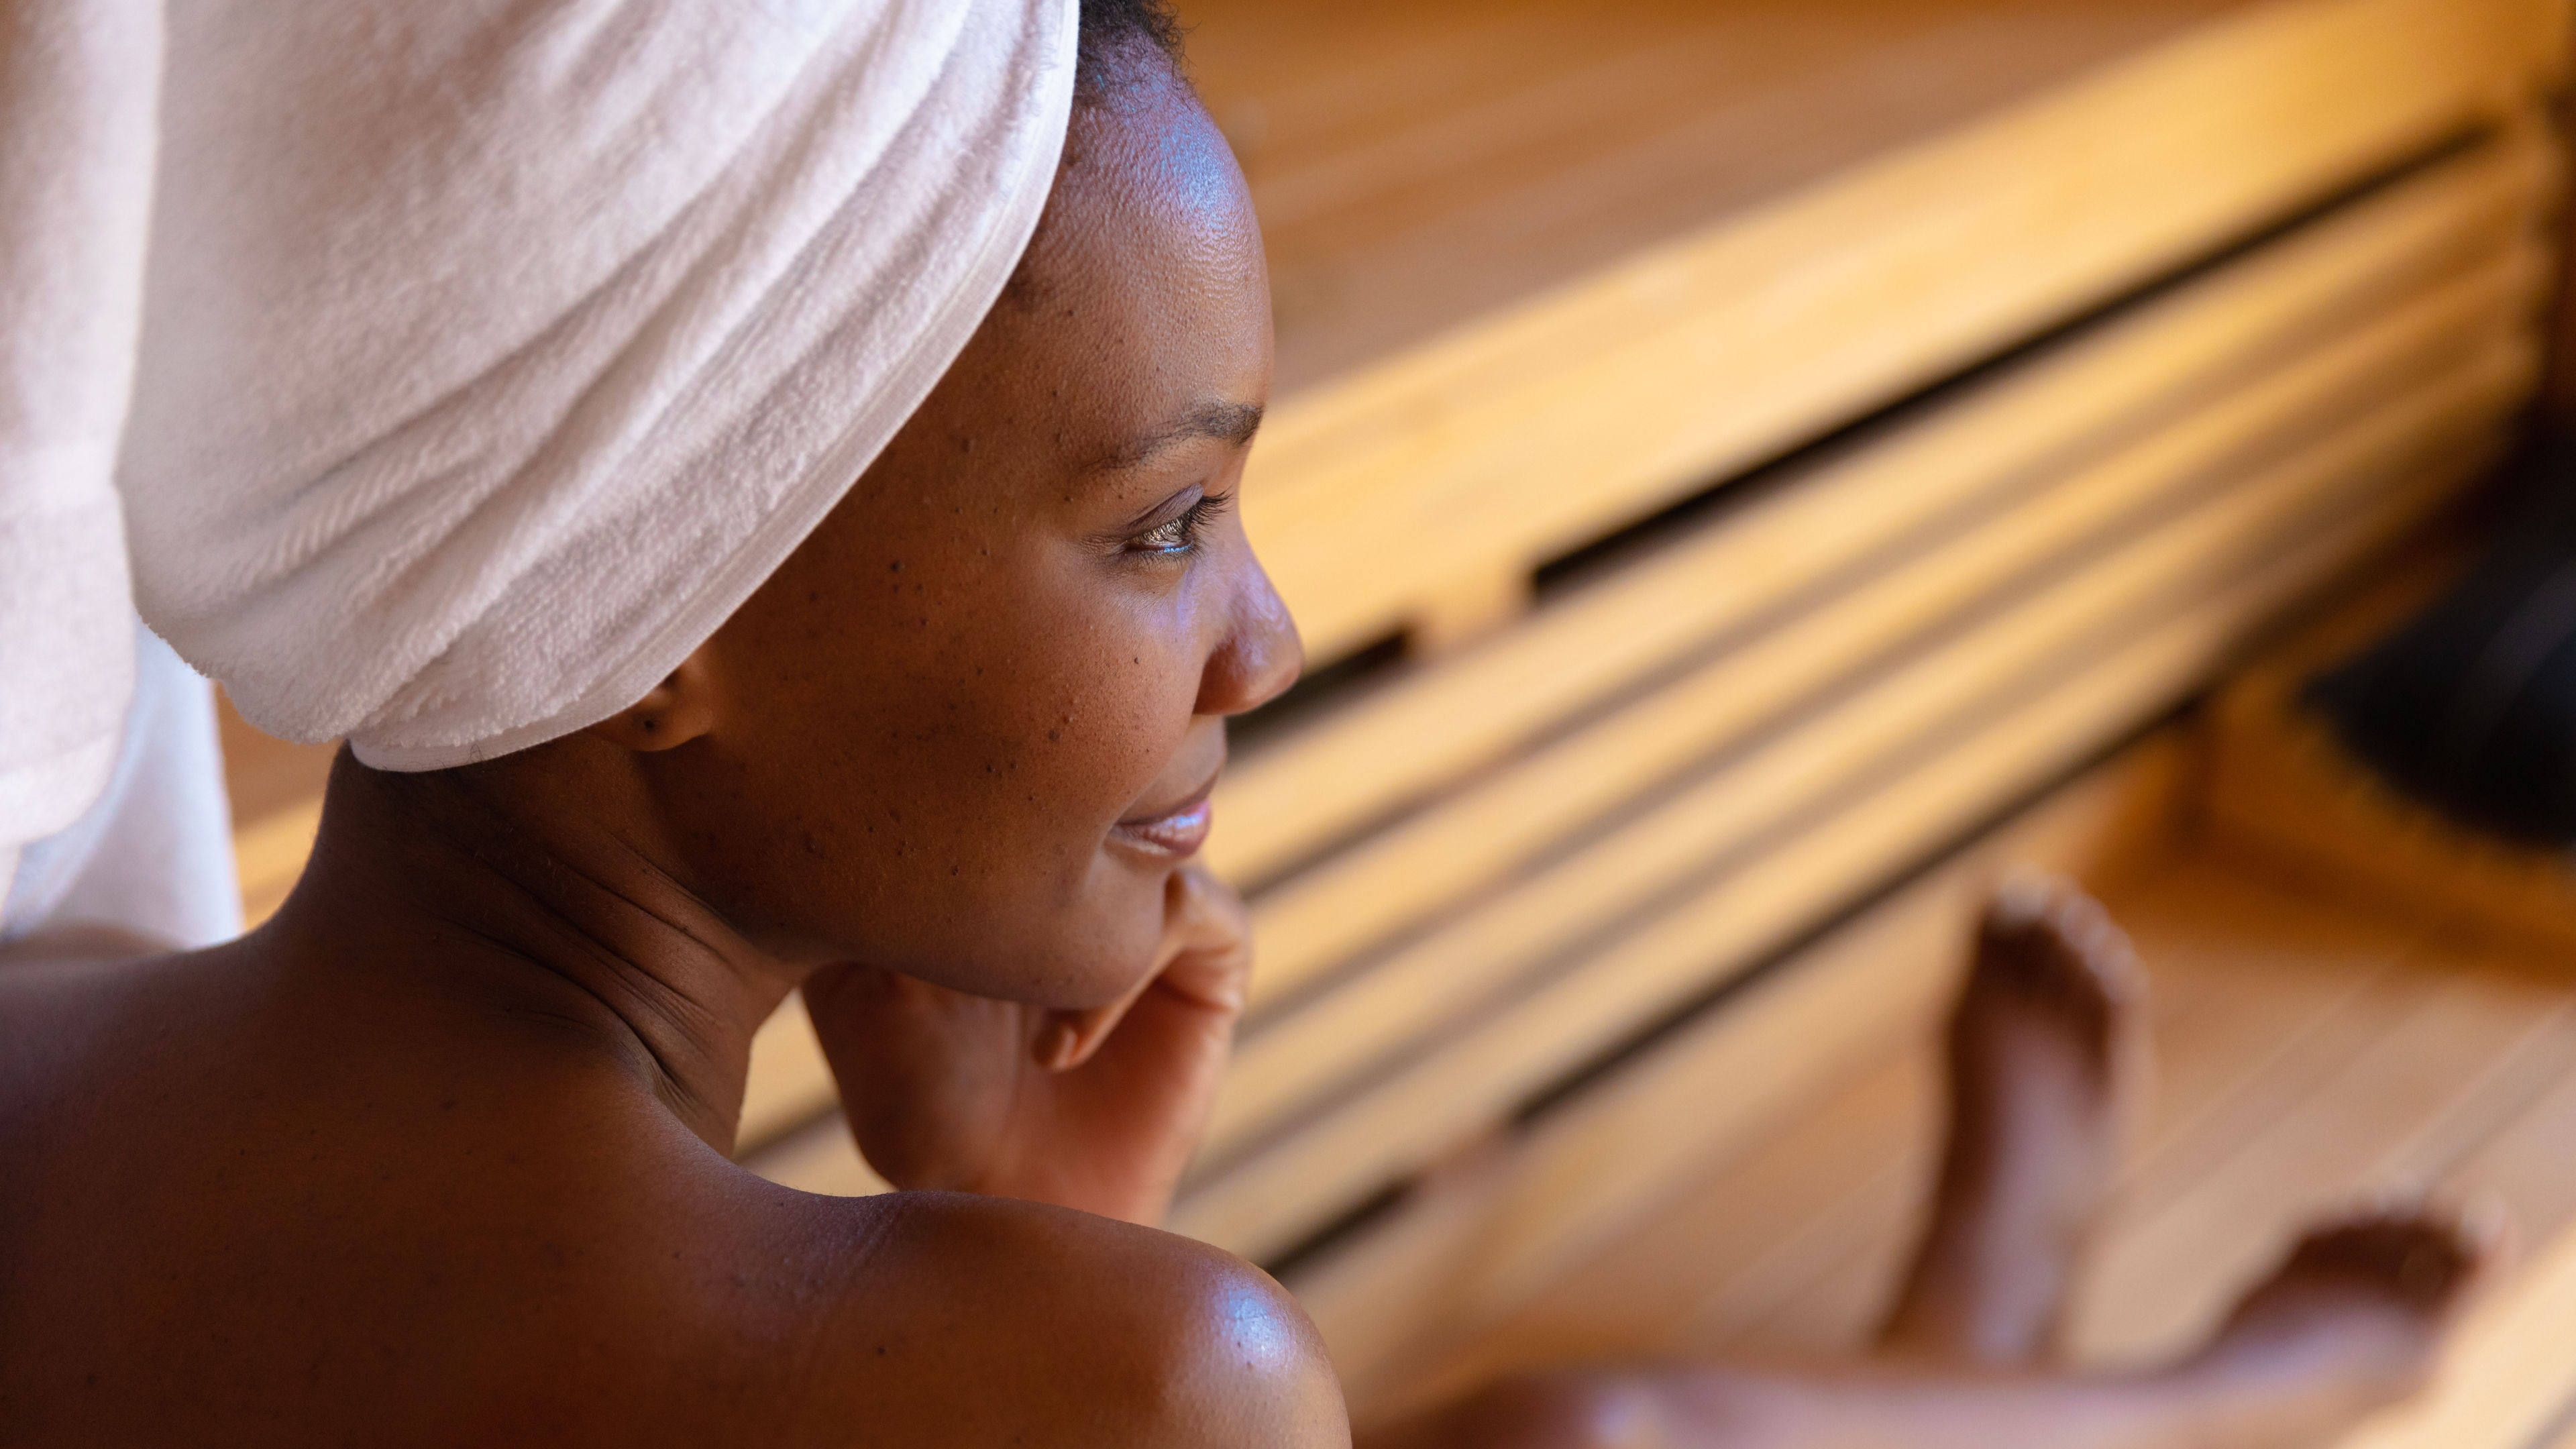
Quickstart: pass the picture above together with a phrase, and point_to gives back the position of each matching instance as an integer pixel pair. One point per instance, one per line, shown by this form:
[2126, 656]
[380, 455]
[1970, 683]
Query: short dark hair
[1113, 34]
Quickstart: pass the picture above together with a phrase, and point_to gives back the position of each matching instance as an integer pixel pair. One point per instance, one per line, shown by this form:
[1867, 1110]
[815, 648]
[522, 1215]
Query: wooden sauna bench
[1727, 458]
[1725, 453]
[2312, 1054]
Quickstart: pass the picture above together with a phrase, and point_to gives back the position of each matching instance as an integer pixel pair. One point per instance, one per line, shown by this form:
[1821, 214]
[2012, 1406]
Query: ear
[679, 709]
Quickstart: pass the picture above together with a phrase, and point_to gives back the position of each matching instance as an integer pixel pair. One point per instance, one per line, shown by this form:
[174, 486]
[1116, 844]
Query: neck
[535, 891]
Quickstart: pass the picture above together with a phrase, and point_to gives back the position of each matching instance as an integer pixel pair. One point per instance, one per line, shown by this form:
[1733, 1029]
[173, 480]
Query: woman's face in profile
[967, 731]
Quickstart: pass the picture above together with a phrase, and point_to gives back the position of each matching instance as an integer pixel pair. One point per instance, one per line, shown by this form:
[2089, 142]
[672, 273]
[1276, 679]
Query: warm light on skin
[1026, 623]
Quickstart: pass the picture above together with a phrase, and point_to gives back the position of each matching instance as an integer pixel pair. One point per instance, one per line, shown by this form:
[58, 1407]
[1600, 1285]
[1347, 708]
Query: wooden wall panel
[1559, 792]
[1374, 491]
[1844, 512]
[1268, 1202]
[1467, 840]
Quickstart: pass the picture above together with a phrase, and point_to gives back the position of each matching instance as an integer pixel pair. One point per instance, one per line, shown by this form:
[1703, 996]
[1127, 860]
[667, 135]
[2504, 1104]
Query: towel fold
[78, 87]
[492, 353]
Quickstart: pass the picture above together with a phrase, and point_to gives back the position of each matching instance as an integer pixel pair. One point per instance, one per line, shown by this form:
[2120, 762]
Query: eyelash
[1184, 533]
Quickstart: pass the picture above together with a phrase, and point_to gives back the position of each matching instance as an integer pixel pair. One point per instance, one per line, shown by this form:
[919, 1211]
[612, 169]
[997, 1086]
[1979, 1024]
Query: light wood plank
[1838, 515]
[1454, 456]
[1469, 1246]
[1421, 163]
[2250, 996]
[269, 855]
[1763, 793]
[2209, 930]
[2373, 1121]
[2230, 1036]
[818, 1157]
[1265, 1203]
[1412, 870]
[2527, 1164]
[2509, 1378]
[790, 1082]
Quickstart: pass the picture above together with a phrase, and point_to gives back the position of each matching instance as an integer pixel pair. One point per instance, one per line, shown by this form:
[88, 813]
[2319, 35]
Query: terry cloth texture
[78, 84]
[492, 353]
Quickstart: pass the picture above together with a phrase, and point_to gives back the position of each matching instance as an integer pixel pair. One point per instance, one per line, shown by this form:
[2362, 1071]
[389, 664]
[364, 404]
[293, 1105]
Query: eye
[1182, 533]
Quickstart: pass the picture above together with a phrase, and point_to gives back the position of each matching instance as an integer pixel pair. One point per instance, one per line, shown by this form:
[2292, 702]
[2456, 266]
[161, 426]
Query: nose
[1260, 655]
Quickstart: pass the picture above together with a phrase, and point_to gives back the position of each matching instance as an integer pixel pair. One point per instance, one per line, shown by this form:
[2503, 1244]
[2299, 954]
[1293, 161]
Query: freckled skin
[437, 1156]
[963, 663]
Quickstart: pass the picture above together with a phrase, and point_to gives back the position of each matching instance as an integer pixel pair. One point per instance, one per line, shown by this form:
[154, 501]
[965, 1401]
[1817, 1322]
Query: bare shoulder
[973, 1321]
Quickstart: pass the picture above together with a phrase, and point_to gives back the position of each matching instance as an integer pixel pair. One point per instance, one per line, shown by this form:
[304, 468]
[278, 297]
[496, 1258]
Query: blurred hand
[1096, 1110]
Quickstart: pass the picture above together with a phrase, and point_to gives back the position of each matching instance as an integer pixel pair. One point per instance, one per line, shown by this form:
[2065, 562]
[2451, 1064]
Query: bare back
[246, 1215]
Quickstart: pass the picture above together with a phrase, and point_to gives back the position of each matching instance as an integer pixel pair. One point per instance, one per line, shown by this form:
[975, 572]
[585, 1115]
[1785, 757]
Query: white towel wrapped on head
[494, 352]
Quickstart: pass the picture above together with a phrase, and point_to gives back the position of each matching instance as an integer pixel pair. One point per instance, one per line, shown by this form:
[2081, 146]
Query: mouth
[1177, 831]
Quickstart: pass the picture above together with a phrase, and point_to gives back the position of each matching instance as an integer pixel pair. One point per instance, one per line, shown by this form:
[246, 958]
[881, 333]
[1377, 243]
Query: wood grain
[1833, 518]
[1455, 455]
[1412, 869]
[1439, 1097]
[1755, 801]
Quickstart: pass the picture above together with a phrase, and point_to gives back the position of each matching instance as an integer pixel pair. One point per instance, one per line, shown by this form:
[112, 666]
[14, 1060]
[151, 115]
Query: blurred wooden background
[1746, 471]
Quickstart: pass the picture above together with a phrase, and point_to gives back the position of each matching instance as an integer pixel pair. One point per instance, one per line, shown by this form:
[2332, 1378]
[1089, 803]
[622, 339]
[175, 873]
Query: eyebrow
[1232, 423]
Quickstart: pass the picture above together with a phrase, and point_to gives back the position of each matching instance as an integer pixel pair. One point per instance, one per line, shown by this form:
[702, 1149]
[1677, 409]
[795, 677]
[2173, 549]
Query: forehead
[1147, 270]
[1139, 317]
[1146, 174]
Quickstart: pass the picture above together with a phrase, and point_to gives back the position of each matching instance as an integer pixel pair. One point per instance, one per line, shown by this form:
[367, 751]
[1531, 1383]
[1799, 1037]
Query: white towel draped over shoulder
[492, 353]
[77, 94]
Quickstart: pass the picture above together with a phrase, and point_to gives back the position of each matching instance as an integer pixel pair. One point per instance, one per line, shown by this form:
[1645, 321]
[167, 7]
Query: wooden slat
[1475, 1243]
[1452, 457]
[1422, 864]
[269, 855]
[2509, 1383]
[1265, 1203]
[2408, 1060]
[2416, 1057]
[1420, 163]
[2528, 1163]
[790, 1083]
[1837, 516]
[2509, 1378]
[1766, 791]
[1817, 1210]
[819, 1156]
[2251, 1000]
[2246, 957]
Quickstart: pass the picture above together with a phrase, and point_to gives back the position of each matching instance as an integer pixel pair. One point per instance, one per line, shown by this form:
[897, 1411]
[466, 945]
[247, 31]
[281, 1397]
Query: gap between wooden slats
[1765, 791]
[1449, 458]
[1414, 869]
[1264, 1204]
[1835, 1191]
[1838, 515]
[2289, 1034]
[1587, 1173]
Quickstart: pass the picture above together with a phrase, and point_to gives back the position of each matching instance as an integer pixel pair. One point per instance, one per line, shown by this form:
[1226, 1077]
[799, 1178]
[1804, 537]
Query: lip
[1177, 832]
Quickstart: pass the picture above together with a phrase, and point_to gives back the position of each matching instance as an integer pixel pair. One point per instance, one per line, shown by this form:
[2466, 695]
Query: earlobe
[679, 709]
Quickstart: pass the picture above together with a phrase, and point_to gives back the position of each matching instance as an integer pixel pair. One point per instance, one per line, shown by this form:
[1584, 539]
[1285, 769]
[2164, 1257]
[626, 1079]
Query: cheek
[973, 750]
[1094, 697]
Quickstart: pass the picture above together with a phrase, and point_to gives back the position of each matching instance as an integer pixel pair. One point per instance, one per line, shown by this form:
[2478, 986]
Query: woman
[439, 1154]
